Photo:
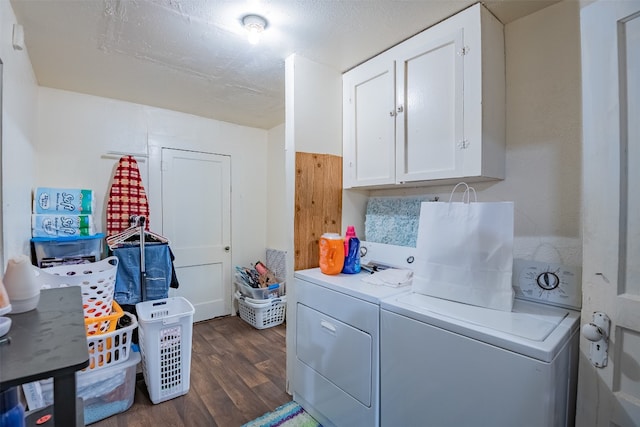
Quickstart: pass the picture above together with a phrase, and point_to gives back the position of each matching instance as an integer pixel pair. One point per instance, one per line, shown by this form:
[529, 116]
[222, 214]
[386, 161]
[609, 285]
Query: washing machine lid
[350, 284]
[531, 329]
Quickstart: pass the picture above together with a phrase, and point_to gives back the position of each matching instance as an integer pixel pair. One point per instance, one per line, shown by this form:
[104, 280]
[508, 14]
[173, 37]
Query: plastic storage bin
[164, 336]
[264, 314]
[273, 291]
[105, 392]
[53, 251]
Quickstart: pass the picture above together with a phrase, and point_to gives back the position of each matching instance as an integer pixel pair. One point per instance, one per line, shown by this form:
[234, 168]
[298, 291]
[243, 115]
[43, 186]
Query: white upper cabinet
[431, 110]
[369, 126]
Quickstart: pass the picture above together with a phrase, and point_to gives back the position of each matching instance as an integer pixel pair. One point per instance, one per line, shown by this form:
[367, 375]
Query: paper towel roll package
[63, 201]
[22, 285]
[43, 225]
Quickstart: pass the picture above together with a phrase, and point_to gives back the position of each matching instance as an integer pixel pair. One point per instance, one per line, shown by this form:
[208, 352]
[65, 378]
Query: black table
[49, 341]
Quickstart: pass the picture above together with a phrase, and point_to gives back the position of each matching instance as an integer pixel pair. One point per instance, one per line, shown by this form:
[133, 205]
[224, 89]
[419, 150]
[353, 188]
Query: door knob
[592, 332]
[227, 248]
[597, 331]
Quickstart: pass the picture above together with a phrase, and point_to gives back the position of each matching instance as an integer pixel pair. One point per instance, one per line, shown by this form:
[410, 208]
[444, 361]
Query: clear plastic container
[105, 391]
[272, 291]
[50, 252]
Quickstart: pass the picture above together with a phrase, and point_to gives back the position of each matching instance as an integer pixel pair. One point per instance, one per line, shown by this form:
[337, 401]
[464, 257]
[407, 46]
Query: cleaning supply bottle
[331, 253]
[351, 252]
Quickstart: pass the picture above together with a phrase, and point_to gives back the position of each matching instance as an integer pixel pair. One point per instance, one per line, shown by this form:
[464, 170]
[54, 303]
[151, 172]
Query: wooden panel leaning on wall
[318, 204]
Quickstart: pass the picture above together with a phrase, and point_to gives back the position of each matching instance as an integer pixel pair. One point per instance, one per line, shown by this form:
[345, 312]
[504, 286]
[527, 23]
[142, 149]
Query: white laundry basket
[262, 314]
[165, 328]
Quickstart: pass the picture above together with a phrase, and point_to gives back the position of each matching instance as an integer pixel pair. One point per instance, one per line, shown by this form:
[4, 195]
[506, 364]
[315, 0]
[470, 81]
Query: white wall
[318, 111]
[278, 230]
[313, 124]
[77, 131]
[543, 159]
[19, 98]
[58, 138]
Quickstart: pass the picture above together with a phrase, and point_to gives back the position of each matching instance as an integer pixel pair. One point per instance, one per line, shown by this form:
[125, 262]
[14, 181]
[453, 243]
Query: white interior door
[196, 200]
[610, 395]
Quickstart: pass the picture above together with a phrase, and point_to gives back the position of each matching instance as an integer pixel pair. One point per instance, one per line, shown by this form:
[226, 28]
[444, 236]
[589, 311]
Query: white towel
[390, 277]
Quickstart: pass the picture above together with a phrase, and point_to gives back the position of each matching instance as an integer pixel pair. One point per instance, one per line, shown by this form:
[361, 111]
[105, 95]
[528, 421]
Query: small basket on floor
[262, 315]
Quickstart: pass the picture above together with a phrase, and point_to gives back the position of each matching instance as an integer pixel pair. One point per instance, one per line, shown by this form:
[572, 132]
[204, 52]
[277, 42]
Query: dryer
[445, 363]
[337, 345]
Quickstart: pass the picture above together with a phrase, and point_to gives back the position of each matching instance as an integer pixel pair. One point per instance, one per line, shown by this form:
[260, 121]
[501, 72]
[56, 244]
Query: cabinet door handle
[392, 113]
[400, 109]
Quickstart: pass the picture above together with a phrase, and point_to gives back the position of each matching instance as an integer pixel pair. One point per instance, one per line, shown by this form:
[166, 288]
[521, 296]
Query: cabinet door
[430, 78]
[369, 124]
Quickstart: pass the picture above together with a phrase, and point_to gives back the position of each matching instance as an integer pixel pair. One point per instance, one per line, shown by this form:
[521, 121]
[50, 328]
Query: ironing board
[127, 197]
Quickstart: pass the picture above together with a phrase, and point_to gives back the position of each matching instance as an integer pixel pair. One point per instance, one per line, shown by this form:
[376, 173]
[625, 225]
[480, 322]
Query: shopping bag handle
[466, 194]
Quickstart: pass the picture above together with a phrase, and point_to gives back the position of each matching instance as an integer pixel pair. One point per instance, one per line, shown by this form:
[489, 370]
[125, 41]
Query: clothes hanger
[123, 235]
[132, 235]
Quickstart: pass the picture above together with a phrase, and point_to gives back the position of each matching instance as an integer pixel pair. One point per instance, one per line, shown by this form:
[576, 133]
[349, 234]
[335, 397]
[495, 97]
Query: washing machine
[337, 345]
[448, 364]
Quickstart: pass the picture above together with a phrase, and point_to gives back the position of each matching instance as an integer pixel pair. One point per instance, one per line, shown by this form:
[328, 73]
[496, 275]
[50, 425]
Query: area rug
[288, 415]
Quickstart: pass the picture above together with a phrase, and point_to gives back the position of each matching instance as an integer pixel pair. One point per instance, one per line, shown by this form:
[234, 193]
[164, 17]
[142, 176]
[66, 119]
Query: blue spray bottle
[351, 252]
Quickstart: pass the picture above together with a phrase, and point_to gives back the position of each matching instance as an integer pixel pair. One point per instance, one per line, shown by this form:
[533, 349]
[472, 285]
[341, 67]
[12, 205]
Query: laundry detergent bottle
[351, 252]
[331, 253]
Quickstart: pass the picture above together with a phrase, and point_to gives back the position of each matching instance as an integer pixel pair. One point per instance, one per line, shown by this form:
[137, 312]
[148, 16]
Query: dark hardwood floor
[237, 374]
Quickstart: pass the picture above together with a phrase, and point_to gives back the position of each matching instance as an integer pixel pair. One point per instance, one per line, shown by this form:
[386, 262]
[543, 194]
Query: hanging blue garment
[158, 268]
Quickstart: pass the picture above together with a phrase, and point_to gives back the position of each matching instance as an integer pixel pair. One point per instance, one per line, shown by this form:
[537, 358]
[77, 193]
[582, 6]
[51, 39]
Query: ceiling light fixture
[255, 25]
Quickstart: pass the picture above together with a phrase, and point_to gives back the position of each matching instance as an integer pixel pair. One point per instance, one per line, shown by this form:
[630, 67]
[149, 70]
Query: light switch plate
[550, 283]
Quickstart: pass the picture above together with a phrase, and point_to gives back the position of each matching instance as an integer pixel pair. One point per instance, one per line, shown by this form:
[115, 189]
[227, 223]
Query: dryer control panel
[549, 283]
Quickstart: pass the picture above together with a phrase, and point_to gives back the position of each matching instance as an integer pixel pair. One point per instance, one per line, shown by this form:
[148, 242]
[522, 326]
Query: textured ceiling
[192, 55]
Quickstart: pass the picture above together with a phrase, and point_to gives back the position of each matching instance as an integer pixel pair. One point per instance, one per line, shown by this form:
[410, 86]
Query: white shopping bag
[465, 252]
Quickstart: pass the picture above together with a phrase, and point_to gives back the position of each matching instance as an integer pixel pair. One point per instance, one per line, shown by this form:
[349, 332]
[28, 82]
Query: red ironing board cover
[126, 196]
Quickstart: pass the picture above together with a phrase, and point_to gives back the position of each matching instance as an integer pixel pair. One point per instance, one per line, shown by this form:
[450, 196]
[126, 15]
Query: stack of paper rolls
[61, 212]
